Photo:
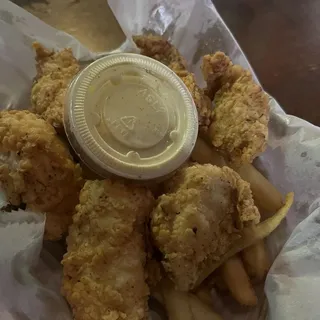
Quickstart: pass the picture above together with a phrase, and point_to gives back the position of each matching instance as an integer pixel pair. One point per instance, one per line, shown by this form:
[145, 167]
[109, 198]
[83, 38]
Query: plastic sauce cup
[130, 115]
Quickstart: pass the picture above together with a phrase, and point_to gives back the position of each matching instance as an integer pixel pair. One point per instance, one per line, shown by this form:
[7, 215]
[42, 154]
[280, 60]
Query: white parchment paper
[29, 286]
[292, 160]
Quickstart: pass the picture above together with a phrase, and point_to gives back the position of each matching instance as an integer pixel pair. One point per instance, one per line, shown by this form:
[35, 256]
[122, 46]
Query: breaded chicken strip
[199, 219]
[55, 70]
[160, 49]
[219, 70]
[239, 126]
[37, 169]
[104, 276]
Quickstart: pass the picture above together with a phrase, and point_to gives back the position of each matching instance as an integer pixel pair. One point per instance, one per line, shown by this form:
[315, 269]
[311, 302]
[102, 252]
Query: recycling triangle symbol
[129, 122]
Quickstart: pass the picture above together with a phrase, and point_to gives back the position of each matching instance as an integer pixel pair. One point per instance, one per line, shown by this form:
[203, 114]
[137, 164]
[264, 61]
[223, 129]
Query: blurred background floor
[90, 21]
[281, 39]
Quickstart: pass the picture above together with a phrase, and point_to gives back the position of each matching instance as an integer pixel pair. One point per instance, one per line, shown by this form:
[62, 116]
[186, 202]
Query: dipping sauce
[130, 115]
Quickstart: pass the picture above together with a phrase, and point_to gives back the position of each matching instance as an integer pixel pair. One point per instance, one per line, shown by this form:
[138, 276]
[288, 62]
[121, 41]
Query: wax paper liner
[29, 285]
[292, 161]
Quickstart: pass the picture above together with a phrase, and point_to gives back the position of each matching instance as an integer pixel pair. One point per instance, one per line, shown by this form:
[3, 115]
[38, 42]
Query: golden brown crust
[104, 275]
[240, 118]
[217, 70]
[55, 70]
[240, 121]
[160, 49]
[202, 102]
[199, 219]
[37, 169]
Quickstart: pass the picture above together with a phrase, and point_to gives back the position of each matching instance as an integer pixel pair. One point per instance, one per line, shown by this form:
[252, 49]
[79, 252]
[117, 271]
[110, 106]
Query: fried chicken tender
[239, 126]
[202, 102]
[160, 49]
[36, 168]
[199, 219]
[218, 70]
[55, 70]
[104, 276]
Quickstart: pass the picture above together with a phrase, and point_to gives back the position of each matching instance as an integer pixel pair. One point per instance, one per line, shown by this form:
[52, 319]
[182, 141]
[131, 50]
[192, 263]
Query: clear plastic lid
[130, 115]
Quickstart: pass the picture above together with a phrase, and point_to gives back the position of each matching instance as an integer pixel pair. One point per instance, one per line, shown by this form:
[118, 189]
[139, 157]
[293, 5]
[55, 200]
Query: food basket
[31, 273]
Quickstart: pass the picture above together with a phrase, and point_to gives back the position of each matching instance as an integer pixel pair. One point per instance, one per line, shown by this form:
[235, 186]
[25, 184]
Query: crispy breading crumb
[104, 276]
[240, 119]
[199, 219]
[218, 69]
[36, 168]
[55, 70]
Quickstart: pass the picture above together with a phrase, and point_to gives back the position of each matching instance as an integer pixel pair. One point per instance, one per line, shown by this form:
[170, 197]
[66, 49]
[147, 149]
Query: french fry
[185, 306]
[238, 282]
[267, 198]
[200, 310]
[249, 236]
[256, 261]
[176, 302]
[204, 153]
[204, 294]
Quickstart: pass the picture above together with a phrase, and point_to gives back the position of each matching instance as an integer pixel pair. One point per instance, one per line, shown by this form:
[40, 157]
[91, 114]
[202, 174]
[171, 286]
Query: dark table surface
[281, 39]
